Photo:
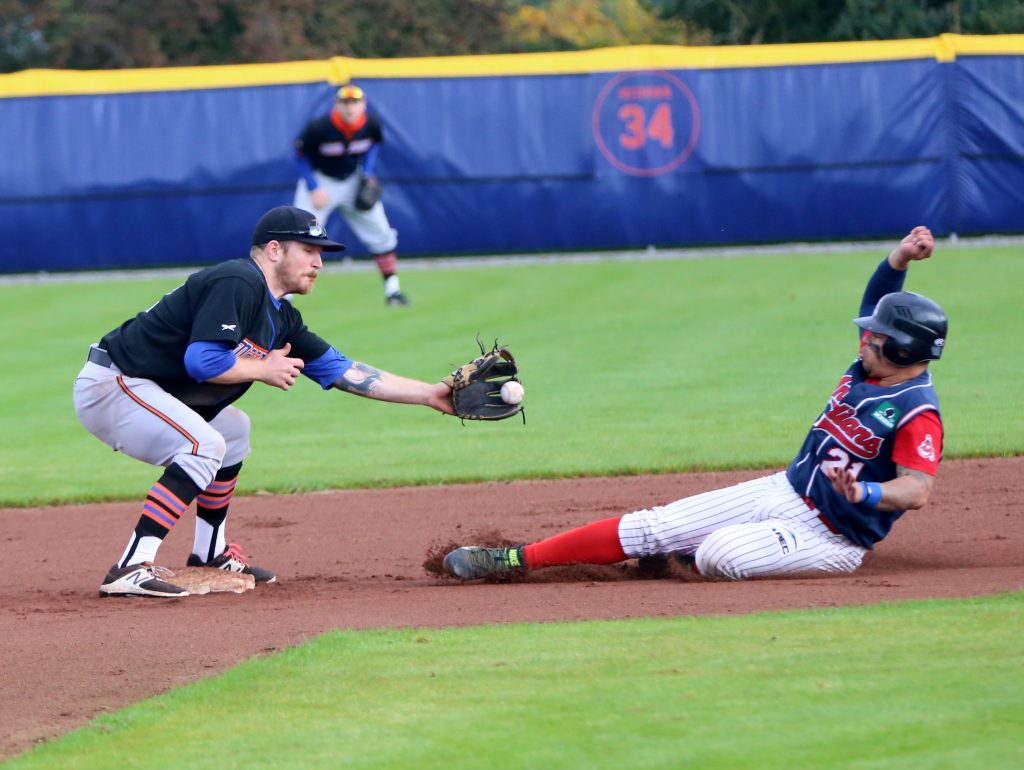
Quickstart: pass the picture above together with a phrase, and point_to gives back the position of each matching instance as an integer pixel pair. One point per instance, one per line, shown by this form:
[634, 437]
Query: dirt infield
[355, 559]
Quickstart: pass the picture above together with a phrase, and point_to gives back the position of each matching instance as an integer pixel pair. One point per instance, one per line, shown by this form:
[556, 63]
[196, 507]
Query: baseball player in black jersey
[337, 155]
[161, 388]
[869, 456]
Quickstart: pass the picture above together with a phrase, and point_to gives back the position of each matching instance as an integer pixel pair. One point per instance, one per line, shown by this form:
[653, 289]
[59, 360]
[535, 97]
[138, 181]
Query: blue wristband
[872, 493]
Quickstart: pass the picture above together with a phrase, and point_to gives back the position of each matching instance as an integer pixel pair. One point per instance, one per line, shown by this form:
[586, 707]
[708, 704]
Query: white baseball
[512, 392]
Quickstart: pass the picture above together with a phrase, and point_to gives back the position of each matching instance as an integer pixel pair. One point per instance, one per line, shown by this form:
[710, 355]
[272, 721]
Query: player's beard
[298, 280]
[305, 282]
[871, 362]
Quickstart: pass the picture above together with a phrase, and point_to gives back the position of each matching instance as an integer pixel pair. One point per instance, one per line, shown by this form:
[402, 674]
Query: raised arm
[892, 271]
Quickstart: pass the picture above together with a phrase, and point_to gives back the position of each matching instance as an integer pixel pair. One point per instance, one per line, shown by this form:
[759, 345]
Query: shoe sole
[271, 579]
[104, 592]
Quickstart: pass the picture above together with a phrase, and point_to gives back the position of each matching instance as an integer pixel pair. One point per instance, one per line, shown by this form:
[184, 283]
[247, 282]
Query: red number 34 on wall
[637, 129]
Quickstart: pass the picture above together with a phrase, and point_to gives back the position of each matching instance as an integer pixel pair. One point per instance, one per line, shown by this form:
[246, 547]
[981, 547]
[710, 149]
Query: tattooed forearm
[361, 379]
[910, 489]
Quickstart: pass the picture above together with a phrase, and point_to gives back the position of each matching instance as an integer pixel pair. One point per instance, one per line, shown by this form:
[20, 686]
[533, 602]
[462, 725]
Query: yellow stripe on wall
[41, 82]
[643, 57]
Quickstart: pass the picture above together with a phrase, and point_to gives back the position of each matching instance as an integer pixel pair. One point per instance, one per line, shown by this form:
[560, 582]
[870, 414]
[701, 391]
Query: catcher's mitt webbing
[476, 386]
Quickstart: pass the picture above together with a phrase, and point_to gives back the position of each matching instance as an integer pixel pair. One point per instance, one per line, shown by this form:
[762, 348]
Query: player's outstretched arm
[368, 381]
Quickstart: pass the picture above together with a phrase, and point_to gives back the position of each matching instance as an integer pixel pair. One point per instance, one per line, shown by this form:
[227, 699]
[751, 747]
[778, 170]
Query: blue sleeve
[885, 280]
[370, 160]
[306, 170]
[205, 360]
[327, 368]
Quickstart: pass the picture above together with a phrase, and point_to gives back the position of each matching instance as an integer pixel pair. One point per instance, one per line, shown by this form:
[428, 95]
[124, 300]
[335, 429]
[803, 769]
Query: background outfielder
[868, 457]
[161, 388]
[337, 156]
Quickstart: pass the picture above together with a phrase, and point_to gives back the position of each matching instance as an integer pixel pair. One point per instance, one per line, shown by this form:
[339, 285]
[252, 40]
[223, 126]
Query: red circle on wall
[636, 119]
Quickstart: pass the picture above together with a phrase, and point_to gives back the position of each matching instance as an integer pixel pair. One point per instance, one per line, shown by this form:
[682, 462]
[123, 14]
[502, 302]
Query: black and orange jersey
[333, 147]
[228, 303]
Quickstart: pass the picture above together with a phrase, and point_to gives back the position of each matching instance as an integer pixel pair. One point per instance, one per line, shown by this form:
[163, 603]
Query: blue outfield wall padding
[494, 163]
[988, 111]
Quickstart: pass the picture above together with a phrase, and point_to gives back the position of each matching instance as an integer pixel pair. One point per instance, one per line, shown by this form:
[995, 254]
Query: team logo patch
[887, 414]
[927, 448]
[228, 327]
[249, 349]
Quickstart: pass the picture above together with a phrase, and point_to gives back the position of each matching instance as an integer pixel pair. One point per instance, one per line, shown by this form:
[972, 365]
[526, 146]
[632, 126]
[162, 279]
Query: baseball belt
[100, 356]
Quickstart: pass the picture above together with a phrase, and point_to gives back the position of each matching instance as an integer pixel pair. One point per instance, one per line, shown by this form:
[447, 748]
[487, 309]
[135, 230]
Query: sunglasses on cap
[315, 230]
[350, 94]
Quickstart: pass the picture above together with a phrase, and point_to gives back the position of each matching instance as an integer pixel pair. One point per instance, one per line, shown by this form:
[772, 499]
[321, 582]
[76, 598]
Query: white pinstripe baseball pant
[753, 529]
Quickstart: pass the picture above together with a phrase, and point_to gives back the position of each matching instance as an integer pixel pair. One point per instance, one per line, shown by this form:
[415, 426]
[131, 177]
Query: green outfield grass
[918, 685]
[630, 367]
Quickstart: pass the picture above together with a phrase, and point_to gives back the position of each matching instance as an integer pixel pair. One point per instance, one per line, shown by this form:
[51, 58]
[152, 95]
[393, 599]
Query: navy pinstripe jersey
[857, 430]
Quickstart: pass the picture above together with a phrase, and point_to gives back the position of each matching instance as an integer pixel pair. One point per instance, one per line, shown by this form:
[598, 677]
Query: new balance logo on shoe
[233, 560]
[140, 580]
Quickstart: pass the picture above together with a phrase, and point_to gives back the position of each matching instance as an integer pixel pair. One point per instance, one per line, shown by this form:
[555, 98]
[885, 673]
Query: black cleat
[232, 560]
[397, 299]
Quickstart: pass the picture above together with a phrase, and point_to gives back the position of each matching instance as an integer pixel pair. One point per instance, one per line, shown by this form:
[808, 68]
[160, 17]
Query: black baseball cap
[287, 223]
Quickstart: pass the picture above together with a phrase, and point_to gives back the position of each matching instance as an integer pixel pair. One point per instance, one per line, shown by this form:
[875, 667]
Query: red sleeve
[919, 443]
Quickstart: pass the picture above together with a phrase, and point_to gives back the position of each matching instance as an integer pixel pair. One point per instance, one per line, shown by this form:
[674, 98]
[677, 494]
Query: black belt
[100, 356]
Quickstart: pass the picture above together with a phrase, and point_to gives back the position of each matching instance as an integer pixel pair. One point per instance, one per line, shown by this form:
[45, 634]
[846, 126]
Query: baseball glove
[476, 386]
[368, 193]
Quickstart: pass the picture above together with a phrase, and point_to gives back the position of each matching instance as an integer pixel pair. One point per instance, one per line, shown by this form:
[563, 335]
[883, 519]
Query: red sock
[387, 263]
[595, 543]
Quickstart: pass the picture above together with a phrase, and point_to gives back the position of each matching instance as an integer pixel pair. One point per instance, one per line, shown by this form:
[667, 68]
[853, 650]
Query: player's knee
[718, 556]
[204, 458]
[638, 534]
[238, 442]
[233, 426]
[746, 550]
[213, 449]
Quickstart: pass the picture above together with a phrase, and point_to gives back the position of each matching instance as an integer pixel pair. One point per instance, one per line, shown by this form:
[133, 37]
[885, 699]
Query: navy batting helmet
[914, 325]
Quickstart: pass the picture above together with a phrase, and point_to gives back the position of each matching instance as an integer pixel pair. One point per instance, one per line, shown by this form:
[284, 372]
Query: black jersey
[230, 303]
[333, 153]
